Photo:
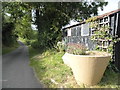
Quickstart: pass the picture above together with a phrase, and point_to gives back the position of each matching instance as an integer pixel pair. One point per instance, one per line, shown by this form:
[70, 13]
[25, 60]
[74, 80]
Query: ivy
[102, 34]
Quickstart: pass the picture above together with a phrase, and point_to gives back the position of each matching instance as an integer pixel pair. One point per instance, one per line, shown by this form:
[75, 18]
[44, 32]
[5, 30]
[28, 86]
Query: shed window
[112, 25]
[69, 32]
[85, 29]
[73, 31]
[78, 31]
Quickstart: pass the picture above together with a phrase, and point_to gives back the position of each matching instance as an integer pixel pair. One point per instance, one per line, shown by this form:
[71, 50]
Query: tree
[16, 22]
[51, 17]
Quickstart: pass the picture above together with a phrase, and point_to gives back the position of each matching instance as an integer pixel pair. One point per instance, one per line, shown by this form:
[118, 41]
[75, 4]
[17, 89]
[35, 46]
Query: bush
[35, 44]
[77, 49]
[60, 46]
[8, 36]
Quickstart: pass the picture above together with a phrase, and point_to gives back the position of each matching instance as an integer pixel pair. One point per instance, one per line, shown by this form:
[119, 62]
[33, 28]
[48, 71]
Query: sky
[112, 5]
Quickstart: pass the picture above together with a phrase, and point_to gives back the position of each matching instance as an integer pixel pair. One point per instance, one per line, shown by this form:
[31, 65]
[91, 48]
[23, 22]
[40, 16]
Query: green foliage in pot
[76, 49]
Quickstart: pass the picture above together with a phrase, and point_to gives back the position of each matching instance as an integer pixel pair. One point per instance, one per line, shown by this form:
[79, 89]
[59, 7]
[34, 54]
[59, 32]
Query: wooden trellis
[102, 43]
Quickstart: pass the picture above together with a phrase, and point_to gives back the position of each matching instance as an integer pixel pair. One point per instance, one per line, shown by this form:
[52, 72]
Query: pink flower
[76, 49]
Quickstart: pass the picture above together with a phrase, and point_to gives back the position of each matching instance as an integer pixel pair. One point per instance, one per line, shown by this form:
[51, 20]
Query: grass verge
[6, 49]
[53, 73]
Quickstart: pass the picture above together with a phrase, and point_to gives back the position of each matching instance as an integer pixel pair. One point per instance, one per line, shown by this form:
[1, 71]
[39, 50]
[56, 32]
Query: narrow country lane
[16, 72]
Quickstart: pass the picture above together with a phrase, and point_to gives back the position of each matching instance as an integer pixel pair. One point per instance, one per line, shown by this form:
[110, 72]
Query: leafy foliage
[7, 34]
[19, 14]
[49, 18]
[60, 46]
[102, 33]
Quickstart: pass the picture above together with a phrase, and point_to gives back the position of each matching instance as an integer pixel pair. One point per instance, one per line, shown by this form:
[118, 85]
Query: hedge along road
[16, 72]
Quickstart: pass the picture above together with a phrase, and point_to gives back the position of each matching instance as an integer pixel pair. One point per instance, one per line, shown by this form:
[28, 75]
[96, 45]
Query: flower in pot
[88, 66]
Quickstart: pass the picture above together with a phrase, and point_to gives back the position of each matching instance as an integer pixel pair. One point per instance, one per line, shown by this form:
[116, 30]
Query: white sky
[112, 5]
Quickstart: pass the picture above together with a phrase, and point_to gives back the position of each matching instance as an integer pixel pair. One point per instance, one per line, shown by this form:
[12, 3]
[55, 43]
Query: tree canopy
[49, 17]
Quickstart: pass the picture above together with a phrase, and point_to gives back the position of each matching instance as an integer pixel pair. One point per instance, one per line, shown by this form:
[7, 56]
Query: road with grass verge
[16, 72]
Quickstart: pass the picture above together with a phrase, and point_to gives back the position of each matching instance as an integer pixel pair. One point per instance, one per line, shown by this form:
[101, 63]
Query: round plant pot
[87, 69]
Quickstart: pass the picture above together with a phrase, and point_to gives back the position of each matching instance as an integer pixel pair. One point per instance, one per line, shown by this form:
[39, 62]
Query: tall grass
[53, 73]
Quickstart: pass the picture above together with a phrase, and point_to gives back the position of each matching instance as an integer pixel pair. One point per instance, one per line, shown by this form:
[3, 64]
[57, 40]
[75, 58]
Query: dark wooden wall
[77, 38]
[117, 47]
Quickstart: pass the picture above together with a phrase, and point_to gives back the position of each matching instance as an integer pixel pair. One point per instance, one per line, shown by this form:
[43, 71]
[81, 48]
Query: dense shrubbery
[8, 37]
[61, 47]
[35, 44]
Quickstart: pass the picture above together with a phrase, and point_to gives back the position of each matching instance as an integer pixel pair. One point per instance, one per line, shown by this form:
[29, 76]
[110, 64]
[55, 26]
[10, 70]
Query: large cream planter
[87, 69]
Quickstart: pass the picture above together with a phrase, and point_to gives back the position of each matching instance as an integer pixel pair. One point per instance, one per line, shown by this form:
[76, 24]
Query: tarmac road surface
[16, 72]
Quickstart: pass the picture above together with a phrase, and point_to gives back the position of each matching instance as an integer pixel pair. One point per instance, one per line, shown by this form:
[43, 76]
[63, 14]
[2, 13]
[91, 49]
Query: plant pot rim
[105, 54]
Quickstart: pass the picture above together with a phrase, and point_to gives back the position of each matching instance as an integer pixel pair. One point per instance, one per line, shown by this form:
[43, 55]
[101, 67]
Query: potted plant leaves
[88, 66]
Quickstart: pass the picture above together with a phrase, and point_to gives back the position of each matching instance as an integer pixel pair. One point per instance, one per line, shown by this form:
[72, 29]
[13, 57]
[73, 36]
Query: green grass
[6, 49]
[53, 73]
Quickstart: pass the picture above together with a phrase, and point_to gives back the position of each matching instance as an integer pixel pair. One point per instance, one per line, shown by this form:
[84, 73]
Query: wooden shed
[81, 33]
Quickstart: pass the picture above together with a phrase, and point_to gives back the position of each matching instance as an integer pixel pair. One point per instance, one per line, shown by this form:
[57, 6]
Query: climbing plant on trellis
[102, 35]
